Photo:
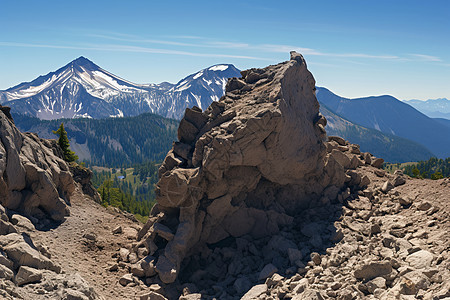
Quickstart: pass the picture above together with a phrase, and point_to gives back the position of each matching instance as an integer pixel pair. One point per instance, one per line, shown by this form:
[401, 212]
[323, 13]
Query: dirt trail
[70, 246]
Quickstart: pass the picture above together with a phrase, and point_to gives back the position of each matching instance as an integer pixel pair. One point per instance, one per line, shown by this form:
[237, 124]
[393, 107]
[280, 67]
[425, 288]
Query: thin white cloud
[122, 48]
[425, 57]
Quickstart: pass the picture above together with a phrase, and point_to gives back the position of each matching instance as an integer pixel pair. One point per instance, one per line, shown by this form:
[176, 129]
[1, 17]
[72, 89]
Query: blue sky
[355, 48]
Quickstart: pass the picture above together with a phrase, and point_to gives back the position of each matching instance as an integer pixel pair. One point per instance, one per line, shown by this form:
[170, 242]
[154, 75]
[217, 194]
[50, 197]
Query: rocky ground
[375, 245]
[253, 201]
[81, 251]
[389, 240]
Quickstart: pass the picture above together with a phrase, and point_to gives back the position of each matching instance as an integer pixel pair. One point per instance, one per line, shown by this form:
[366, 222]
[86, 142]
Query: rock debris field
[254, 201]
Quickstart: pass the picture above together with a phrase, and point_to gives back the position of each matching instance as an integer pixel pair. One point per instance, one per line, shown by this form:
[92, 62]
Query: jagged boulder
[34, 179]
[244, 166]
[83, 176]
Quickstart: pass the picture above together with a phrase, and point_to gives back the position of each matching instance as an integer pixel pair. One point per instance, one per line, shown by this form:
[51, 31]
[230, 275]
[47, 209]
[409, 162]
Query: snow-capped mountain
[434, 108]
[83, 89]
[200, 89]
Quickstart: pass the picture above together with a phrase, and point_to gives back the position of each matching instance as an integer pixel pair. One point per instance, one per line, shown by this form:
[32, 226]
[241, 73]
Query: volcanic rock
[34, 179]
[256, 157]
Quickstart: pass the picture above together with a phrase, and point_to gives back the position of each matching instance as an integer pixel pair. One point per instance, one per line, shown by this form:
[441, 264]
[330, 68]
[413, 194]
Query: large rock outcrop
[242, 167]
[34, 179]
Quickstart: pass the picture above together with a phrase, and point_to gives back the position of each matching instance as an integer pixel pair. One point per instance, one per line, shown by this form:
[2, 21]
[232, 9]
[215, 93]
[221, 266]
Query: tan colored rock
[255, 292]
[24, 254]
[6, 272]
[377, 162]
[252, 159]
[420, 259]
[126, 279]
[34, 179]
[387, 186]
[27, 275]
[372, 270]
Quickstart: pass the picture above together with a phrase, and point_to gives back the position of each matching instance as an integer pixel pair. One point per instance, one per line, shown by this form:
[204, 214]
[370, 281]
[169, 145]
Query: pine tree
[63, 142]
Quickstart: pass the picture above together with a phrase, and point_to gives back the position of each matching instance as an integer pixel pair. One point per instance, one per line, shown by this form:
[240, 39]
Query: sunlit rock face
[244, 166]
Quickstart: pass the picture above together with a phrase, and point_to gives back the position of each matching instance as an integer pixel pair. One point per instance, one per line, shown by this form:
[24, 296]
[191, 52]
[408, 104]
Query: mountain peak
[83, 62]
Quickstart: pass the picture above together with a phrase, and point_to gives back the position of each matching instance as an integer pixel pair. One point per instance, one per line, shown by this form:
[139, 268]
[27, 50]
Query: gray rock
[242, 285]
[23, 222]
[33, 176]
[387, 186]
[376, 283]
[195, 296]
[399, 180]
[425, 205]
[126, 279]
[372, 270]
[117, 230]
[27, 275]
[151, 295]
[255, 292]
[23, 254]
[420, 259]
[377, 162]
[267, 271]
[6, 272]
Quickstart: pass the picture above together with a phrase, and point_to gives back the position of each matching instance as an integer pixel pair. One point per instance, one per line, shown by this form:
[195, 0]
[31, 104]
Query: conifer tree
[63, 142]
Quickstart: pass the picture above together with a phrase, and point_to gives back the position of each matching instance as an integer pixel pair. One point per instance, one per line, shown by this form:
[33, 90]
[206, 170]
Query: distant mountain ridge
[433, 108]
[390, 147]
[112, 142]
[392, 116]
[83, 89]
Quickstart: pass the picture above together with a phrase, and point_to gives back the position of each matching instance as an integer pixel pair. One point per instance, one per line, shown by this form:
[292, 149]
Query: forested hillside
[433, 168]
[112, 142]
[130, 189]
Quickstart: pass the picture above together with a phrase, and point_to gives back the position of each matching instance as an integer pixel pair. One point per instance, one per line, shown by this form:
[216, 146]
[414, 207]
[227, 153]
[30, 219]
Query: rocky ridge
[35, 190]
[242, 166]
[327, 223]
[34, 179]
[254, 203]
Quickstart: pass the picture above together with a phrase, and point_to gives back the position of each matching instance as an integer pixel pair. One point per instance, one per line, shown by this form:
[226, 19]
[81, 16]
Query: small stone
[365, 181]
[6, 273]
[151, 296]
[123, 253]
[376, 283]
[126, 279]
[90, 236]
[163, 231]
[117, 230]
[113, 268]
[377, 162]
[267, 271]
[315, 257]
[387, 186]
[424, 206]
[255, 292]
[196, 296]
[420, 259]
[28, 275]
[375, 228]
[379, 172]
[372, 270]
[399, 180]
[242, 285]
[274, 280]
[405, 201]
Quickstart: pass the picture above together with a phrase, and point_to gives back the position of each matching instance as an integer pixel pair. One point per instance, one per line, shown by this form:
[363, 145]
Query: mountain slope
[389, 115]
[392, 148]
[433, 108]
[83, 89]
[112, 142]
